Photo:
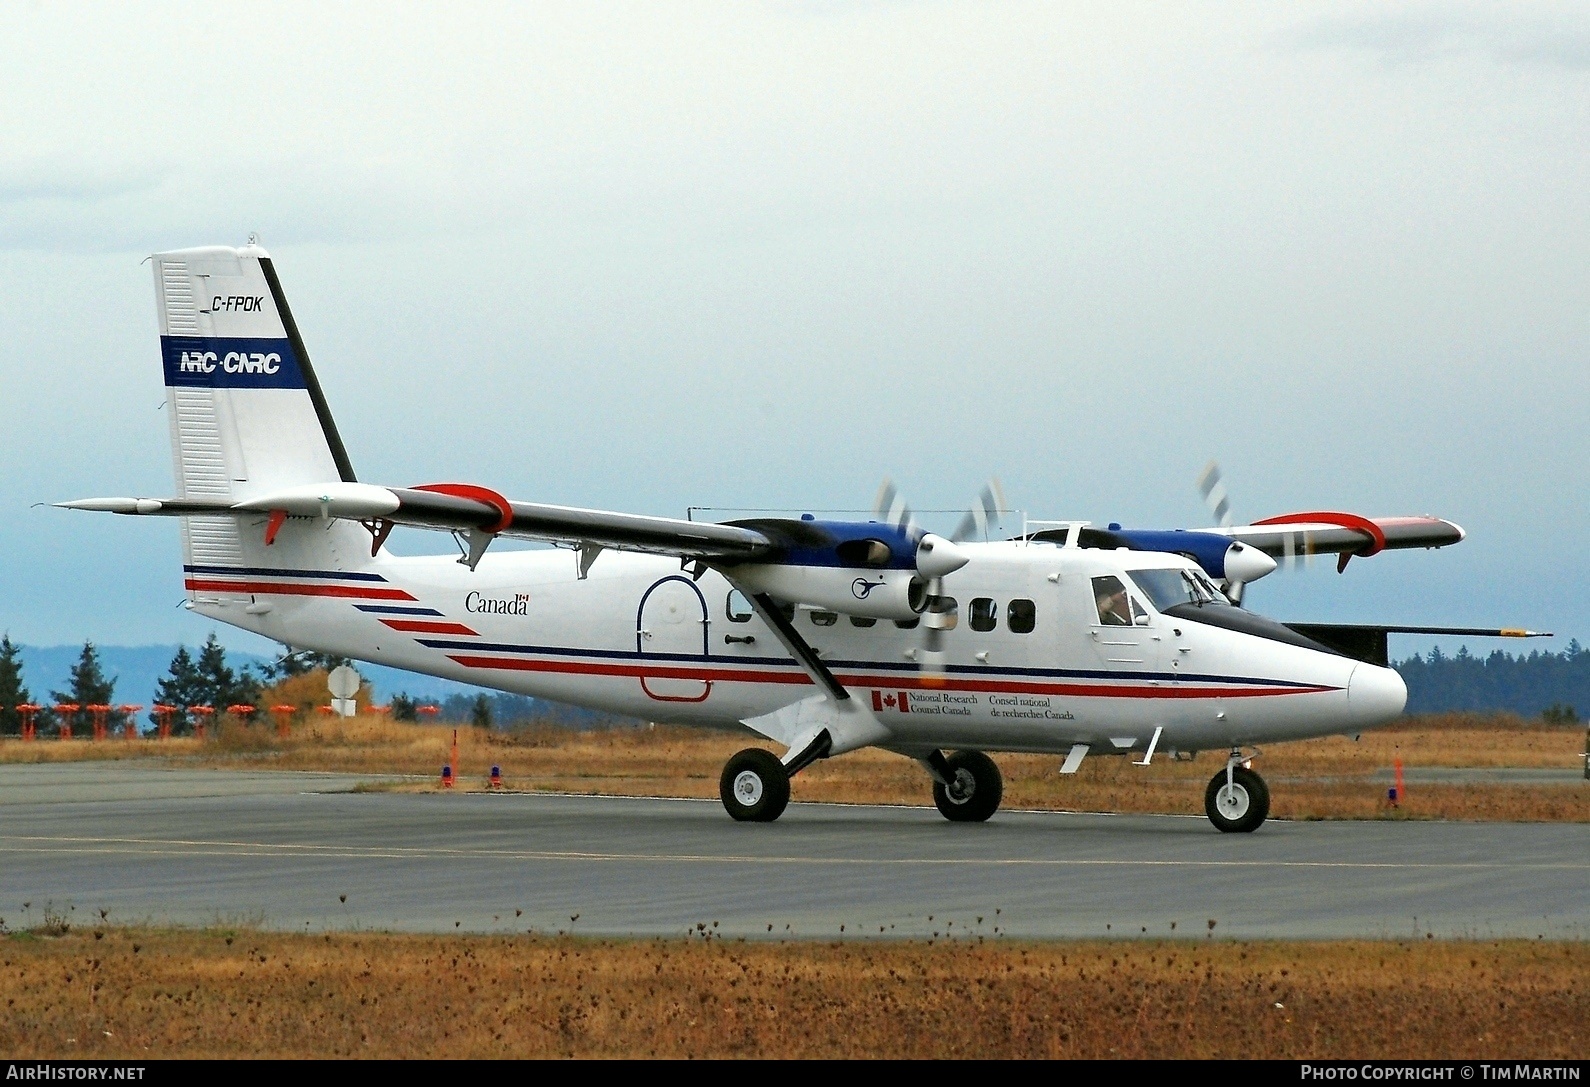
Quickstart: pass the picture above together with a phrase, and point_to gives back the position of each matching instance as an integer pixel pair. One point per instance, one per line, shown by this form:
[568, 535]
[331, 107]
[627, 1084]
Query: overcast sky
[646, 256]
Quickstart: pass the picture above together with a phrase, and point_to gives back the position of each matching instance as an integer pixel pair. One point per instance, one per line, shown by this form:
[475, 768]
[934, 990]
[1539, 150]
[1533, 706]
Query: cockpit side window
[1109, 595]
[737, 607]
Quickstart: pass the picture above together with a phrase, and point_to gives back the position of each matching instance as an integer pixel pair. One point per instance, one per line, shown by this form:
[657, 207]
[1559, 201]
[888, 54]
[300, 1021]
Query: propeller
[1213, 488]
[1297, 548]
[937, 557]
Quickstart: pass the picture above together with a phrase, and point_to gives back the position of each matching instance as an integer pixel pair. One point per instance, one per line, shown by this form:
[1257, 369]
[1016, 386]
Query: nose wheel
[1237, 800]
[754, 786]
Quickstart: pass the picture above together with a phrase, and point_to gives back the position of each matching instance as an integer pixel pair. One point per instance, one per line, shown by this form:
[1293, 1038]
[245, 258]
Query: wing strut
[799, 648]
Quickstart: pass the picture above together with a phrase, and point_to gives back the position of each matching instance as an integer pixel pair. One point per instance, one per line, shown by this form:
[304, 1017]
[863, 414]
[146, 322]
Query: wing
[458, 507]
[1328, 532]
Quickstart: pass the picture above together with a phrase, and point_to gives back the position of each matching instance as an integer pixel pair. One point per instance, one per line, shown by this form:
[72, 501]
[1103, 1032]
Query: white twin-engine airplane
[823, 636]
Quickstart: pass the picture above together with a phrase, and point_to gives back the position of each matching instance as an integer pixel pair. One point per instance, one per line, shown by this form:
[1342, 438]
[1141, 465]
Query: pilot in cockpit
[1110, 597]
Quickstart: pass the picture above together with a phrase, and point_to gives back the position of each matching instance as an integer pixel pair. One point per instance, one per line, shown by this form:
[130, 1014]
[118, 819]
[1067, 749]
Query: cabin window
[738, 608]
[824, 618]
[944, 612]
[863, 621]
[1021, 616]
[908, 624]
[983, 614]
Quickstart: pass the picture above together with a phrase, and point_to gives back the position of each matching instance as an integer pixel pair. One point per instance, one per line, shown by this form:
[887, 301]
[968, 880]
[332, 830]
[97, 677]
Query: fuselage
[1032, 662]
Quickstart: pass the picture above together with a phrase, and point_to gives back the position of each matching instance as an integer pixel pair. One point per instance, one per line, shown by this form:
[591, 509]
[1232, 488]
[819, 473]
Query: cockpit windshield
[1167, 588]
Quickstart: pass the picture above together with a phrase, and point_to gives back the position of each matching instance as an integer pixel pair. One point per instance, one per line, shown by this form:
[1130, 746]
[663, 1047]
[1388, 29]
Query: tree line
[1553, 686]
[205, 679]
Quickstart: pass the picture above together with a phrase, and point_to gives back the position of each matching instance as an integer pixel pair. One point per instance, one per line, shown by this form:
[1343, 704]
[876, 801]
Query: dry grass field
[1329, 778]
[142, 994]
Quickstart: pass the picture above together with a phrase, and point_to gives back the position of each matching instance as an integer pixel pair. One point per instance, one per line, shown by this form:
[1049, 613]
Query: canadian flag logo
[891, 700]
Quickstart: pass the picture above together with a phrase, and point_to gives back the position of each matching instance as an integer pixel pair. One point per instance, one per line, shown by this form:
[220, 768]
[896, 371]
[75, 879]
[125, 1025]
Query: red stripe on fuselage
[284, 588]
[896, 682]
[429, 626]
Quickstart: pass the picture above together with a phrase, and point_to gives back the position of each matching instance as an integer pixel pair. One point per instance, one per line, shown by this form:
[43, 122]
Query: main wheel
[754, 786]
[974, 791]
[1239, 807]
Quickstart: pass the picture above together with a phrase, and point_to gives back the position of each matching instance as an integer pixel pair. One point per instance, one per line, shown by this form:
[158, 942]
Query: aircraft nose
[1376, 695]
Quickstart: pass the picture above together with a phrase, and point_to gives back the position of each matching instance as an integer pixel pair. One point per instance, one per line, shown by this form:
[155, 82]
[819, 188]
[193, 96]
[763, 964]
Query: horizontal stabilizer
[1367, 642]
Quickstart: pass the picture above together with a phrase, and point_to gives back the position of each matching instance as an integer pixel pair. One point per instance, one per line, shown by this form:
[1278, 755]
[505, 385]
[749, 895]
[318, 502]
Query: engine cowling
[876, 594]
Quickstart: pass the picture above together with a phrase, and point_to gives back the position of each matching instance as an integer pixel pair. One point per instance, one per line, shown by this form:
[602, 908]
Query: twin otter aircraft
[823, 636]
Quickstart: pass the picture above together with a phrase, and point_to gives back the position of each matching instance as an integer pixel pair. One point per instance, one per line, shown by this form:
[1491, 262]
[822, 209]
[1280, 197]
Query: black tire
[1241, 811]
[978, 792]
[754, 786]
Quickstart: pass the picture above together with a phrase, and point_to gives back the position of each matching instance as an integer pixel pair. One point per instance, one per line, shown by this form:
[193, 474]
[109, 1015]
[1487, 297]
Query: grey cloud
[1418, 37]
[74, 183]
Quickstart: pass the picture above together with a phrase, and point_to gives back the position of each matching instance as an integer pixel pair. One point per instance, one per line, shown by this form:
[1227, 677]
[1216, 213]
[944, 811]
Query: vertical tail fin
[247, 414]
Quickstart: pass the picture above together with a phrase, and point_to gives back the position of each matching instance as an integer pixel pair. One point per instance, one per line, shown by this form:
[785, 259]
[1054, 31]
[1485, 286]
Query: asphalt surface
[279, 850]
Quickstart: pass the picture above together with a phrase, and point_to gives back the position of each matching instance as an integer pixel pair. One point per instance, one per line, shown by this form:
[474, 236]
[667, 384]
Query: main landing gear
[1237, 799]
[754, 785]
[966, 785]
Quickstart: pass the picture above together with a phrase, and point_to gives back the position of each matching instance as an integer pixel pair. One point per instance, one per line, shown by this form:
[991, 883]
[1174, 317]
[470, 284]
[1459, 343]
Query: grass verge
[147, 994]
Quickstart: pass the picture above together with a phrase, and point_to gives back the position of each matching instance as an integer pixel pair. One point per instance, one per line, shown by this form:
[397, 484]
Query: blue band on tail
[231, 362]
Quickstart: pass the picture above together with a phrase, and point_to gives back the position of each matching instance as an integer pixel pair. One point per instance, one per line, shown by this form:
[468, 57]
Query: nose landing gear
[1237, 799]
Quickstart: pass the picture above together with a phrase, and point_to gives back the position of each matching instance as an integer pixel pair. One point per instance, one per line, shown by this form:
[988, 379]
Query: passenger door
[671, 638]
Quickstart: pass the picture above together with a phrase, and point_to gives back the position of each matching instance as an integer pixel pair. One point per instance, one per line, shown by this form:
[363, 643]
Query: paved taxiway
[278, 849]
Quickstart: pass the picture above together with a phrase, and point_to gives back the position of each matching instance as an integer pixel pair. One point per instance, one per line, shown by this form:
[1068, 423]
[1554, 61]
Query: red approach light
[201, 719]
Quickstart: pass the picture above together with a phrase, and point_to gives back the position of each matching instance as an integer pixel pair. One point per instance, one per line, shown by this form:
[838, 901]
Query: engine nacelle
[877, 594]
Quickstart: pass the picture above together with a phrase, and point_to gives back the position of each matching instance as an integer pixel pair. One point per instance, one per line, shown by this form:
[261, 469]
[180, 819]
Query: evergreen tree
[219, 685]
[89, 688]
[404, 708]
[480, 712]
[12, 691]
[182, 687]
